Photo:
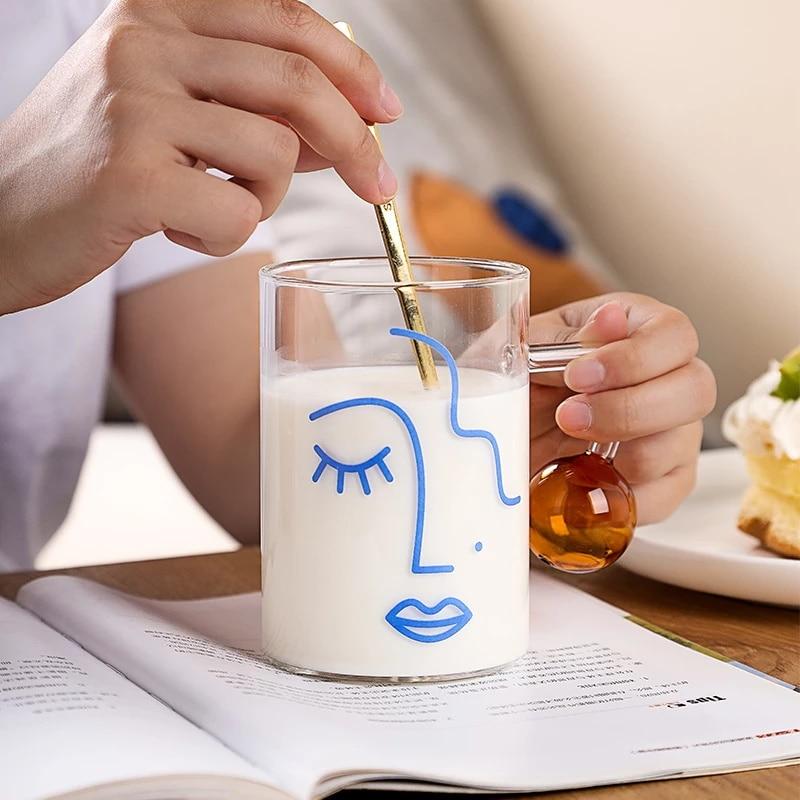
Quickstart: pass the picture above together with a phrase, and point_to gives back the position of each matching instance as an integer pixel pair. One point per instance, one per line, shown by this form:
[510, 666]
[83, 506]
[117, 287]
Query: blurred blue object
[531, 223]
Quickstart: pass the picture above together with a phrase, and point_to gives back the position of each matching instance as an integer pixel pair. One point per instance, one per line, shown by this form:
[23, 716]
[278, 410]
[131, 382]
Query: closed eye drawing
[361, 469]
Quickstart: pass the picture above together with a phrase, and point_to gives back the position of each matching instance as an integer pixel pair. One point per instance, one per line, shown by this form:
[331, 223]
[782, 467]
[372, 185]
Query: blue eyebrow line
[467, 433]
[419, 522]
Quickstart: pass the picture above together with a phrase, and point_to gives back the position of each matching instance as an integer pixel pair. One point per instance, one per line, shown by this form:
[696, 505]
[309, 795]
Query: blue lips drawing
[435, 629]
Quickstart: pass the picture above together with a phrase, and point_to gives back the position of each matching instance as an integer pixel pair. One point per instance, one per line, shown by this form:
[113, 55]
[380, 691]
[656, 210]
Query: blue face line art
[422, 623]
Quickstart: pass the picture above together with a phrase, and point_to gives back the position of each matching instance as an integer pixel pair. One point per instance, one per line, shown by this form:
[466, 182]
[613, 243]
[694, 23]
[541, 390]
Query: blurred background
[672, 130]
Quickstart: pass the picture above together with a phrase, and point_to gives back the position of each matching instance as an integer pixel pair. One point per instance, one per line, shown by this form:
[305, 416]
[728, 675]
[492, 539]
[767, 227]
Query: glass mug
[395, 519]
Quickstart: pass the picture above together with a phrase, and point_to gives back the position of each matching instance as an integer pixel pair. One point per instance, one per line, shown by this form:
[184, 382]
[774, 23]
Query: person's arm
[186, 360]
[106, 149]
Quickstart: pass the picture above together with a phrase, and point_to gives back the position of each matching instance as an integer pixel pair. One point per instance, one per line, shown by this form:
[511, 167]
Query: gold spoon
[393, 242]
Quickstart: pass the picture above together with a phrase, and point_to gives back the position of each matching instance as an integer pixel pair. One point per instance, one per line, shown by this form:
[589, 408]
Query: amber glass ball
[582, 513]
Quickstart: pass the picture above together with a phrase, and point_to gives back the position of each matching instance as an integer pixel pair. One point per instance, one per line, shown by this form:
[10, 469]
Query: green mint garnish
[788, 387]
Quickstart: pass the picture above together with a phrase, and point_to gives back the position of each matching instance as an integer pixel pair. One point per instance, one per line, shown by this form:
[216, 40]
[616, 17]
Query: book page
[598, 699]
[68, 722]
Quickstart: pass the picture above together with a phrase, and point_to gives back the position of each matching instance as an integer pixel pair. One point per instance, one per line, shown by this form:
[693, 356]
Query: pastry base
[779, 475]
[772, 517]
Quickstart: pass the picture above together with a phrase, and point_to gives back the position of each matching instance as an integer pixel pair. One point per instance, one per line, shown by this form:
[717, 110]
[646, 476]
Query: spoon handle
[393, 242]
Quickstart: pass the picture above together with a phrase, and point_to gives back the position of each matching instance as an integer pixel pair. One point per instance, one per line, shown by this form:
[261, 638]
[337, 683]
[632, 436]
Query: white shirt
[54, 359]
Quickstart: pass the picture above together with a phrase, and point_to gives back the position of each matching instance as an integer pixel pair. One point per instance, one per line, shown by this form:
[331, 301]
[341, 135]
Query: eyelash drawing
[378, 460]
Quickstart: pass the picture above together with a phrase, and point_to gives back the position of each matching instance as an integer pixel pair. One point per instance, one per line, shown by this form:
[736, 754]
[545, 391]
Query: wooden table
[763, 637]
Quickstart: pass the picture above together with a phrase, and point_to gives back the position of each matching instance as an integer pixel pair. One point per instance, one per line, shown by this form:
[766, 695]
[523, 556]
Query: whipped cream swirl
[764, 425]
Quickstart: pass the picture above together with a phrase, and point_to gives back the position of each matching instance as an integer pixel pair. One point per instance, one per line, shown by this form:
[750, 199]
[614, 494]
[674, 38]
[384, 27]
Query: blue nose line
[474, 433]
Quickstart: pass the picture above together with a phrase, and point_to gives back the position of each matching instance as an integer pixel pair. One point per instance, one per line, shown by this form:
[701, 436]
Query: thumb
[606, 323]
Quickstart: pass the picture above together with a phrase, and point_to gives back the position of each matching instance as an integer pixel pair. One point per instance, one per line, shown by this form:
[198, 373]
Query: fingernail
[584, 374]
[390, 102]
[593, 316]
[596, 313]
[387, 181]
[574, 415]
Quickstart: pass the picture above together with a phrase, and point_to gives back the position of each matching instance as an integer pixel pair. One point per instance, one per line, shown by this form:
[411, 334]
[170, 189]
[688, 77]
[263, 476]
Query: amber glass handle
[582, 511]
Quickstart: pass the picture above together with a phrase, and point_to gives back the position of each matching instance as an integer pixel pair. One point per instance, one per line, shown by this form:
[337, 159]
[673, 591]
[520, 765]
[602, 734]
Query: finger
[666, 341]
[308, 160]
[237, 142]
[640, 461]
[292, 26]
[678, 398]
[267, 81]
[656, 500]
[606, 322]
[219, 214]
[190, 242]
[600, 322]
[543, 403]
[261, 153]
[652, 457]
[552, 445]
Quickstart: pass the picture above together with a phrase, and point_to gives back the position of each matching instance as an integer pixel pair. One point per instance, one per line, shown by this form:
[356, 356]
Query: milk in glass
[395, 521]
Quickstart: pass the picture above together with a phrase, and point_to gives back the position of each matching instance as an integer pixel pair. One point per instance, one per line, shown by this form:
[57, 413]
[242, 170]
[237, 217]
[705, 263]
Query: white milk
[334, 565]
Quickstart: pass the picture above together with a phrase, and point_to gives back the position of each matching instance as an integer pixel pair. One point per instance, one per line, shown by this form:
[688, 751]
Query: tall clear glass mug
[394, 517]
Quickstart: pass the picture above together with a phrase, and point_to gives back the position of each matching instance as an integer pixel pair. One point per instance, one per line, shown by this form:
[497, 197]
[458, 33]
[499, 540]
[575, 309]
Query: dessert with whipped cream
[765, 424]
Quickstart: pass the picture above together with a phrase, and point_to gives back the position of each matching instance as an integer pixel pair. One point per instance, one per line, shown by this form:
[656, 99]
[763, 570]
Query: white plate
[699, 546]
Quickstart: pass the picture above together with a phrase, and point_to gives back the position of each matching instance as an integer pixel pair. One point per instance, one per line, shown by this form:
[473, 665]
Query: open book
[107, 695]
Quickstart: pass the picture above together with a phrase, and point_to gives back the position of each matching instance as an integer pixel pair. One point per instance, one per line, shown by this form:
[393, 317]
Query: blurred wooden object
[763, 637]
[453, 221]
